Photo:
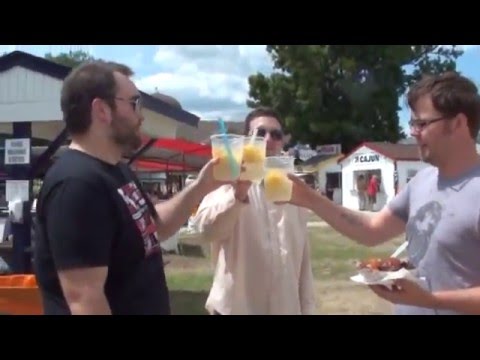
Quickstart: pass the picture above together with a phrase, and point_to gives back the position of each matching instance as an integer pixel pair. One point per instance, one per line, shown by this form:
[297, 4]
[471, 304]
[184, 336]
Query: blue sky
[467, 64]
[208, 80]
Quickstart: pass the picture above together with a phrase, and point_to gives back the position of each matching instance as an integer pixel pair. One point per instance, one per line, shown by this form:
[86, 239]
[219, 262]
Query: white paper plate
[374, 277]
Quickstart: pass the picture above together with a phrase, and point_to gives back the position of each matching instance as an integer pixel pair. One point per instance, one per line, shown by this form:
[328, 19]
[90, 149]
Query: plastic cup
[254, 154]
[278, 187]
[226, 170]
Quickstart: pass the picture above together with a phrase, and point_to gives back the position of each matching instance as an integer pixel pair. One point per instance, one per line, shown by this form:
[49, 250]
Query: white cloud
[209, 80]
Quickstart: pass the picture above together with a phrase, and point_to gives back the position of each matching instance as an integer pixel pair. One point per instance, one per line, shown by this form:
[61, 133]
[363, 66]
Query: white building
[394, 164]
[328, 174]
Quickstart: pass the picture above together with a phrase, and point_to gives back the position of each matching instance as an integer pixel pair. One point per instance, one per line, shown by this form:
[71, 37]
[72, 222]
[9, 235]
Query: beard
[125, 136]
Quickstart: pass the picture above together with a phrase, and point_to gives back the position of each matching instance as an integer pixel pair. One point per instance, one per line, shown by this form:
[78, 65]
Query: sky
[208, 80]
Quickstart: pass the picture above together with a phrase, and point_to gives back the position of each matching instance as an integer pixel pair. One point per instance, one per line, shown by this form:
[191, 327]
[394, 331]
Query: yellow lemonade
[222, 170]
[277, 186]
[253, 162]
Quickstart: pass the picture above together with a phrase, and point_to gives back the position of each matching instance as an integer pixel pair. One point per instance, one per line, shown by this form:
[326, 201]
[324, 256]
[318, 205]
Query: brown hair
[86, 82]
[258, 112]
[451, 94]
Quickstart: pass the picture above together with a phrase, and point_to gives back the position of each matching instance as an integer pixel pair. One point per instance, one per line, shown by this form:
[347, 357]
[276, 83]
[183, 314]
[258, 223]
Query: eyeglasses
[275, 134]
[419, 125]
[136, 103]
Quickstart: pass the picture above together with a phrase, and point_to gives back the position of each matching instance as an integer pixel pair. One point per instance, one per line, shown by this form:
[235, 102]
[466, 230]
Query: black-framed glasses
[275, 134]
[419, 125]
[136, 102]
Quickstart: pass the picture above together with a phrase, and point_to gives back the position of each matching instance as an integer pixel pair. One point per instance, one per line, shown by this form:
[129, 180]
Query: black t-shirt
[91, 213]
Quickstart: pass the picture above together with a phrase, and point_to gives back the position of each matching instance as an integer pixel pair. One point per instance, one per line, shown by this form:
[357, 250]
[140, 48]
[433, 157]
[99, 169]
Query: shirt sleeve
[400, 204]
[80, 225]
[218, 214]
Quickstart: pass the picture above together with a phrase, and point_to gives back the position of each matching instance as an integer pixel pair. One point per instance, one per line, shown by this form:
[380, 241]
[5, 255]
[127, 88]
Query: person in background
[361, 185]
[372, 190]
[154, 198]
[97, 247]
[438, 208]
[260, 250]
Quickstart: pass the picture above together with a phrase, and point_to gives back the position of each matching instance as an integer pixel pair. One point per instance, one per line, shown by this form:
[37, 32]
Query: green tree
[71, 59]
[344, 93]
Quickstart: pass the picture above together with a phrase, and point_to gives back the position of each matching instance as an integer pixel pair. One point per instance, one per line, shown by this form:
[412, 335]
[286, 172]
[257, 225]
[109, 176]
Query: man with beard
[438, 208]
[97, 249]
[260, 250]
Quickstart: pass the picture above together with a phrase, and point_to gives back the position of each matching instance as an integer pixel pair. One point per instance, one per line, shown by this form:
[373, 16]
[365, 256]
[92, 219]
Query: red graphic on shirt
[138, 208]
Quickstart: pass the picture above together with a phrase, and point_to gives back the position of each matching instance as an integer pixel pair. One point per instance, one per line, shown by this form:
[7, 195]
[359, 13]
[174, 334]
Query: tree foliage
[71, 59]
[344, 93]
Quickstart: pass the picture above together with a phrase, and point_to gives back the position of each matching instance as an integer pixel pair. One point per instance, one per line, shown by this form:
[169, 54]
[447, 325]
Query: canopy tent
[186, 153]
[184, 146]
[163, 155]
[160, 166]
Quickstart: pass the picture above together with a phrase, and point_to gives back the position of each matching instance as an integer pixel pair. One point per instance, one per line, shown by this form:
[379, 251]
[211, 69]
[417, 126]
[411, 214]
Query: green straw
[231, 160]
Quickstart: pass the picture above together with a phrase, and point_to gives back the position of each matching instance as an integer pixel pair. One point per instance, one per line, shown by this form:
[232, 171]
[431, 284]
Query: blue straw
[231, 160]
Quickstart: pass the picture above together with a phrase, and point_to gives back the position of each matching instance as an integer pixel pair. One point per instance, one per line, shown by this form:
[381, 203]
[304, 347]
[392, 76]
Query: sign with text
[330, 149]
[17, 190]
[366, 158]
[17, 151]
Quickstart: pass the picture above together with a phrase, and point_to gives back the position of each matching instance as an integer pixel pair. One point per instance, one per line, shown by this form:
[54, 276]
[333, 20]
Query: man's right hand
[205, 181]
[241, 189]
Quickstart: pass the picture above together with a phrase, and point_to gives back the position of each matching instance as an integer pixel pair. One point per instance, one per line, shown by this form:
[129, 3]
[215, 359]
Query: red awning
[183, 146]
[151, 165]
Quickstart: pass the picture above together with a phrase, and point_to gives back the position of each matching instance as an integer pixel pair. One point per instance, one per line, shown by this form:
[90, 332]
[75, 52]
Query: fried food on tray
[387, 264]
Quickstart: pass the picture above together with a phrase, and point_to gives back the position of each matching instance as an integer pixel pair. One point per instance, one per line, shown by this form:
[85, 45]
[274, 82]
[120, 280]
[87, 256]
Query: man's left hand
[406, 292]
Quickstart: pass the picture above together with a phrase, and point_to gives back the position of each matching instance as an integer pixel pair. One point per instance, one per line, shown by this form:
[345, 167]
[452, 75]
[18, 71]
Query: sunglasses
[275, 134]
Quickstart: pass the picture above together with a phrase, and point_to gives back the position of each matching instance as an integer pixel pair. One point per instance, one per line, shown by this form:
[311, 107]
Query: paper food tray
[386, 278]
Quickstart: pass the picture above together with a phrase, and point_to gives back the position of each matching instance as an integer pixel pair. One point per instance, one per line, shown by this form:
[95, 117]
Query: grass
[333, 259]
[335, 255]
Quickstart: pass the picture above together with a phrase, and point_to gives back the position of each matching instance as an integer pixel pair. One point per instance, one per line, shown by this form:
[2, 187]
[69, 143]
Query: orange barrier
[19, 295]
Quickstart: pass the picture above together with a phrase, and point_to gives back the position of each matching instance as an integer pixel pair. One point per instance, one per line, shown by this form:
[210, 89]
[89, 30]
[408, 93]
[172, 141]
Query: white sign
[17, 151]
[305, 154]
[366, 158]
[332, 149]
[17, 190]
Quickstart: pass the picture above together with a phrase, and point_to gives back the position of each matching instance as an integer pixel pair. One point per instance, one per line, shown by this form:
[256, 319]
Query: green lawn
[333, 257]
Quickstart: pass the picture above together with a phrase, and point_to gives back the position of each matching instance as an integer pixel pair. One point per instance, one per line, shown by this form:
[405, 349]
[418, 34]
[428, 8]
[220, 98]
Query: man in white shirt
[260, 250]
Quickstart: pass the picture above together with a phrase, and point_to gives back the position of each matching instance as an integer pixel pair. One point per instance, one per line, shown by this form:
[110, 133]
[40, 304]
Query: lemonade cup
[254, 153]
[224, 170]
[278, 187]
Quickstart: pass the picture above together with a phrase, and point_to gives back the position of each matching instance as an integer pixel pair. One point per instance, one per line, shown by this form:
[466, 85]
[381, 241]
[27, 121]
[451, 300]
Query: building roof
[390, 150]
[168, 99]
[315, 160]
[58, 71]
[206, 128]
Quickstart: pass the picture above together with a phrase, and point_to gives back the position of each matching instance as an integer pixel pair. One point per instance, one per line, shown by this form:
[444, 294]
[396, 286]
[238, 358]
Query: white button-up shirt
[261, 255]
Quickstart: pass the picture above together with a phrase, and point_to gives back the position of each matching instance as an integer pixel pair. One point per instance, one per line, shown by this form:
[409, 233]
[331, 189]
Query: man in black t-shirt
[97, 243]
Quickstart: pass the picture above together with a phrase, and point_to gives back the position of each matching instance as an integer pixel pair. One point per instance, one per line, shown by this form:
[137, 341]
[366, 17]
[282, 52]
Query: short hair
[258, 112]
[451, 94]
[90, 80]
